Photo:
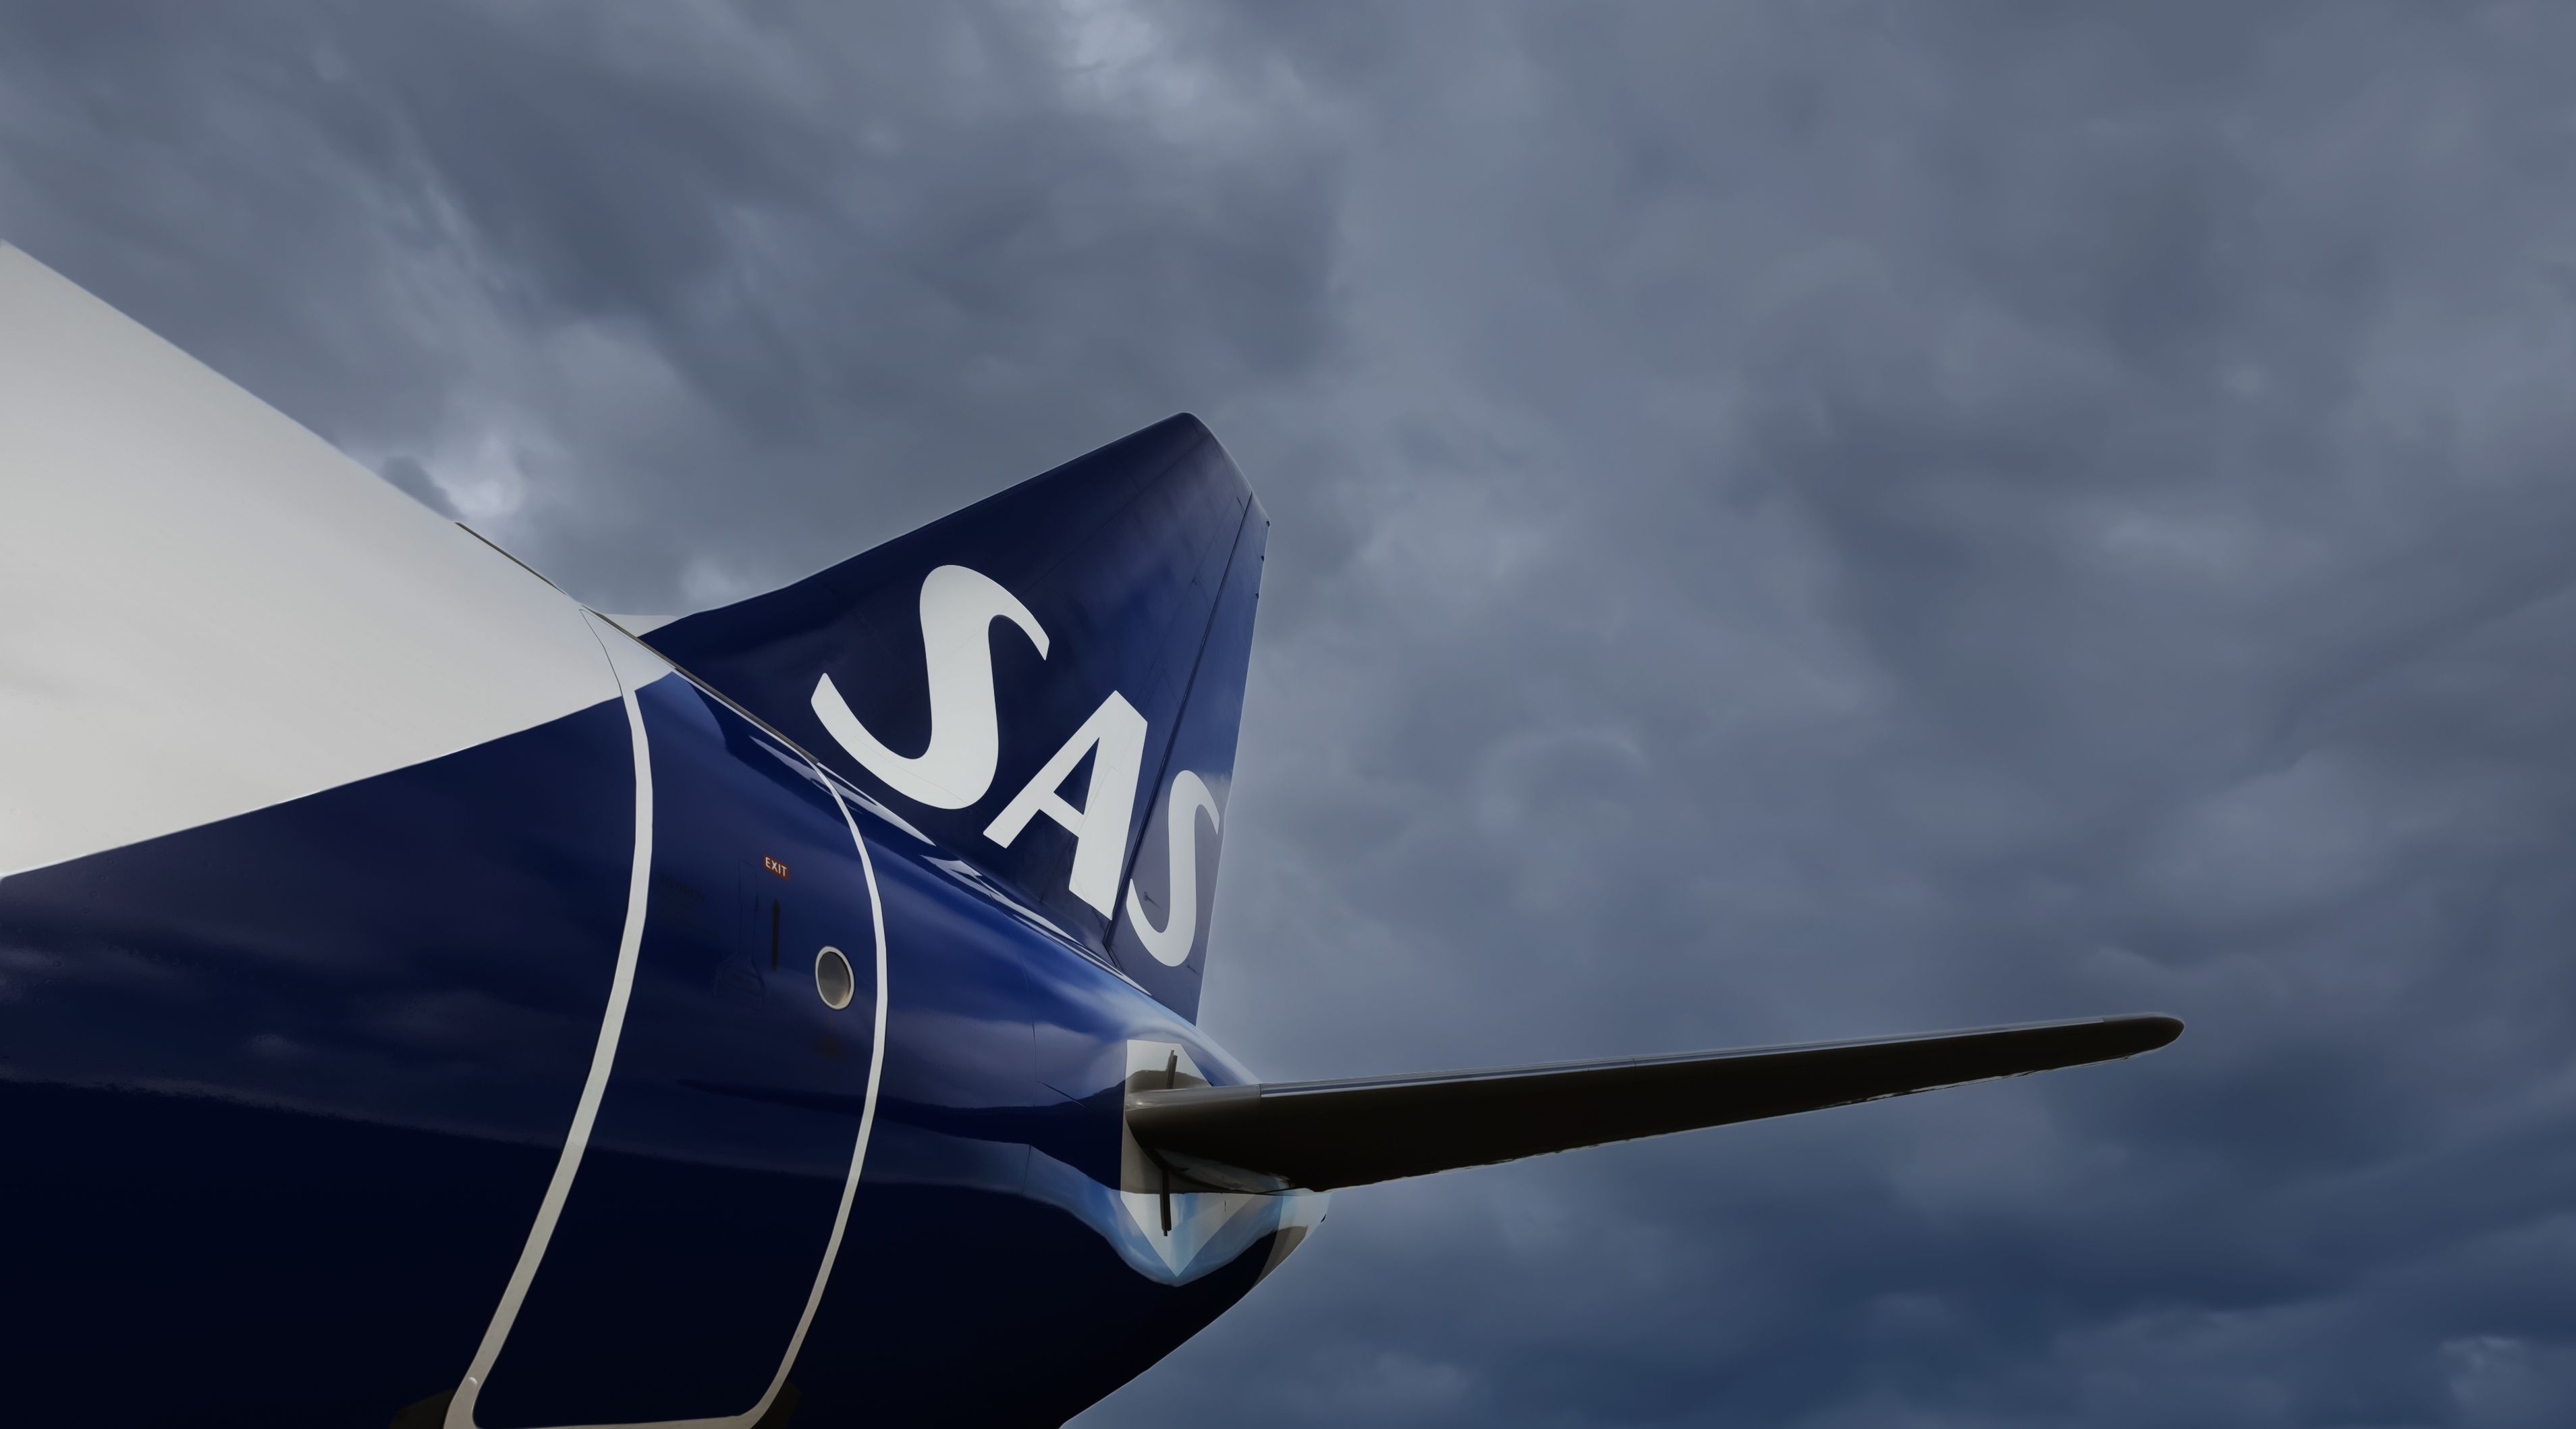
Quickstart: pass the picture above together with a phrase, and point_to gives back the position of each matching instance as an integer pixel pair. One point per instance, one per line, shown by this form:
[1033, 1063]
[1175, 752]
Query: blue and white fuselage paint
[424, 1000]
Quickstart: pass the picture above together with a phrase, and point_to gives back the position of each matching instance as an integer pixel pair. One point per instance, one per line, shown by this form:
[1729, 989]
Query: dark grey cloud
[1792, 521]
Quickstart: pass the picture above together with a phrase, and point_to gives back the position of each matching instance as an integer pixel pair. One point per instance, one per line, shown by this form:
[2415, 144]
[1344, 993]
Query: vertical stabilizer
[1046, 684]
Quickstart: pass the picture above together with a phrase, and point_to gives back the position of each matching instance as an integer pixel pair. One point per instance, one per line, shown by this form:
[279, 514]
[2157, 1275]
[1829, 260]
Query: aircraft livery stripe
[460, 1412]
[867, 1112]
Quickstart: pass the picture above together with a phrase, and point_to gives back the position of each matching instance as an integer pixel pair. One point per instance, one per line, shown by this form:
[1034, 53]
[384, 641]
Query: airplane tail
[1047, 684]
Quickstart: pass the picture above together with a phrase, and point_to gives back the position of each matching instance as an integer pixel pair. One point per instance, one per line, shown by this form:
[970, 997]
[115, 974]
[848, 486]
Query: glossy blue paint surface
[283, 1094]
[705, 1199]
[996, 1152]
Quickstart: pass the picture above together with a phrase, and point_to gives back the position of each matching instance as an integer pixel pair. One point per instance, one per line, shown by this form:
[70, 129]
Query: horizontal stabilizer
[1323, 1135]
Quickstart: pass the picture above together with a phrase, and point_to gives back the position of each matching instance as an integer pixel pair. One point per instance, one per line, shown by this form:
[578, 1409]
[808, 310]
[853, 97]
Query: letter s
[1171, 943]
[958, 608]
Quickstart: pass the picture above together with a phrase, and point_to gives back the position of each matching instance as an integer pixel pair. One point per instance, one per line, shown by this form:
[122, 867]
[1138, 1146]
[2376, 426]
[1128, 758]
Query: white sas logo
[958, 609]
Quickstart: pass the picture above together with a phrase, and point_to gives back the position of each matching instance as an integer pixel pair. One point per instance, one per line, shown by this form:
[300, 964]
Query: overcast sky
[1791, 521]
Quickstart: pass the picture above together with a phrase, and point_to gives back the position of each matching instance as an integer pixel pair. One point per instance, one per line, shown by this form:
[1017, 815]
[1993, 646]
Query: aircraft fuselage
[301, 1096]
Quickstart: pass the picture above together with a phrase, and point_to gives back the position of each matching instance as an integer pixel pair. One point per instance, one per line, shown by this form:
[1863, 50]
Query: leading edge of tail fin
[1047, 684]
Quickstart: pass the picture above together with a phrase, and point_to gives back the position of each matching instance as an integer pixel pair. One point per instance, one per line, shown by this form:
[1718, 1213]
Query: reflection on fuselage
[298, 1082]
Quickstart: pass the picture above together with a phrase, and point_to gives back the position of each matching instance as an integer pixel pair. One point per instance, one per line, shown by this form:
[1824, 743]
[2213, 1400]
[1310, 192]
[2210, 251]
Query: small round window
[832, 978]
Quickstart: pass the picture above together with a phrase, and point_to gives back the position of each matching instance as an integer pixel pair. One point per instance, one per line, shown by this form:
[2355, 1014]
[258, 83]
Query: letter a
[1114, 737]
[958, 608]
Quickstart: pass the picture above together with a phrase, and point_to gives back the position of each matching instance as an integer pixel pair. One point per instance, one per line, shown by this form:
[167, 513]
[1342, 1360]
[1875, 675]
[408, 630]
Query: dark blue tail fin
[1046, 683]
